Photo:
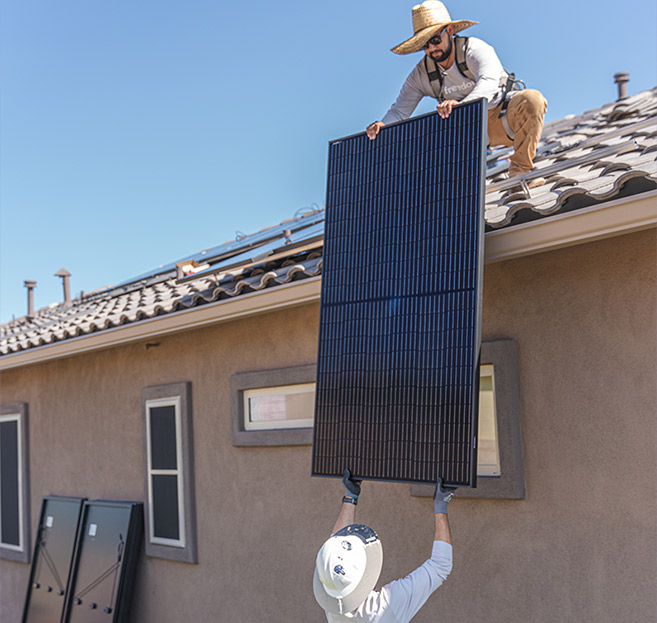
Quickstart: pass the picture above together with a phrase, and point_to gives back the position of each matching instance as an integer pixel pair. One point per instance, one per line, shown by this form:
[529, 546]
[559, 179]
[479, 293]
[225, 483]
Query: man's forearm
[443, 532]
[346, 517]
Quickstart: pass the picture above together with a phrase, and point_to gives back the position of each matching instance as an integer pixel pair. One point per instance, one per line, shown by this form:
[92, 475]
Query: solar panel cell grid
[397, 384]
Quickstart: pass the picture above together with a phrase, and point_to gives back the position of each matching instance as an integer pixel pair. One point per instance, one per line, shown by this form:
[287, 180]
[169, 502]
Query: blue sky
[136, 133]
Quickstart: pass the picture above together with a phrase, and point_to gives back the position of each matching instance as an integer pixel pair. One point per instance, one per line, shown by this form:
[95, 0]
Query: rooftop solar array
[398, 362]
[293, 230]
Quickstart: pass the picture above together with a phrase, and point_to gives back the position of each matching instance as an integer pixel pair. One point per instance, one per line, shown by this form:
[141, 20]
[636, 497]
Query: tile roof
[589, 158]
[585, 159]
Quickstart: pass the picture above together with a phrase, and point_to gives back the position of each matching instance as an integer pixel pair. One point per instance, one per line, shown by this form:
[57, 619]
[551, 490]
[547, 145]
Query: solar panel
[105, 561]
[400, 315]
[51, 564]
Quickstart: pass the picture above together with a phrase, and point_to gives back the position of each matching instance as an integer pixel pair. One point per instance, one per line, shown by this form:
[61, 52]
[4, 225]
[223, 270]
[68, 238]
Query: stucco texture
[580, 547]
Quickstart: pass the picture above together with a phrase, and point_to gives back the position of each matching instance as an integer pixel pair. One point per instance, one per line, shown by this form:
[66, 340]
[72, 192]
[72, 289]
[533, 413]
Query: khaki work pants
[525, 114]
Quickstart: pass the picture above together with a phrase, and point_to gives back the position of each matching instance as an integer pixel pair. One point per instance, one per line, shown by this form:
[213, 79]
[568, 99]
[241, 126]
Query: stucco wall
[580, 547]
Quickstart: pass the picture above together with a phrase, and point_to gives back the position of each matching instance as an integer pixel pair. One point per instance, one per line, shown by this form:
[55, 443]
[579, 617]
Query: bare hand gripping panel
[400, 321]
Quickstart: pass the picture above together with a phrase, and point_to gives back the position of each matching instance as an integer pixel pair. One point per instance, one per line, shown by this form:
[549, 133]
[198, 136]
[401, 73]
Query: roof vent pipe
[621, 79]
[30, 285]
[66, 283]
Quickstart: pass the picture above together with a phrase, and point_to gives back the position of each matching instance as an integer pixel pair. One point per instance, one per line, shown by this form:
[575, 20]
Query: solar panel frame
[402, 271]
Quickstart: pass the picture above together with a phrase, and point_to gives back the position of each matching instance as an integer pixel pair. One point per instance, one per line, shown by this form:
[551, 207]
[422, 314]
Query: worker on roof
[349, 563]
[461, 69]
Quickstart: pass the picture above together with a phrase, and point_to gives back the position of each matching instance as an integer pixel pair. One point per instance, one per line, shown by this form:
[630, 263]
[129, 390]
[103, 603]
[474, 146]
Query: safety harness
[508, 85]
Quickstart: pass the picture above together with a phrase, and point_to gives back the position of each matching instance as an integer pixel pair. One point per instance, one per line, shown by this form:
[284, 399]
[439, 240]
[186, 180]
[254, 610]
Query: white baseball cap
[347, 568]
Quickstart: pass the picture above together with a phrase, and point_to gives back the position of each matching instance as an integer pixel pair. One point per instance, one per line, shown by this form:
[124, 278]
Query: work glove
[442, 496]
[351, 487]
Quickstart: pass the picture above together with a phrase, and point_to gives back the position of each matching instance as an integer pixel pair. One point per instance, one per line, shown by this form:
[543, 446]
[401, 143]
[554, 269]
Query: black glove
[442, 496]
[351, 487]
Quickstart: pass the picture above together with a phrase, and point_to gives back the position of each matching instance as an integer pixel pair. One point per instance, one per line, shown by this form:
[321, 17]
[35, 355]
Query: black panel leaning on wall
[52, 560]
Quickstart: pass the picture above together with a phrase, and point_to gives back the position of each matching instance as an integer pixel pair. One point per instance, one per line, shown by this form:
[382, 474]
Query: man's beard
[439, 57]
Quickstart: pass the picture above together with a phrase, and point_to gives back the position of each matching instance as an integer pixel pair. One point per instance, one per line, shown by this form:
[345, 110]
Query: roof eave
[612, 218]
[281, 297]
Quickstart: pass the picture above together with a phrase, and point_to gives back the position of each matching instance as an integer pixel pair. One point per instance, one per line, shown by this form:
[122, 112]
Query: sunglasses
[435, 40]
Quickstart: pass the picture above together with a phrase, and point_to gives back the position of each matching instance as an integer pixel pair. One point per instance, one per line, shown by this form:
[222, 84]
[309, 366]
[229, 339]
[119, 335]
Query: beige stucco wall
[581, 547]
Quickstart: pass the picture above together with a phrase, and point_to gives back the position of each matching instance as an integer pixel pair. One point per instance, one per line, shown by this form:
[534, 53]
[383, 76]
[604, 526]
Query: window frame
[242, 382]
[22, 553]
[510, 484]
[183, 549]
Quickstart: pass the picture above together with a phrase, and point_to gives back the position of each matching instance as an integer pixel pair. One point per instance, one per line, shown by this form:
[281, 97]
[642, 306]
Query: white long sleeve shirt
[399, 601]
[480, 58]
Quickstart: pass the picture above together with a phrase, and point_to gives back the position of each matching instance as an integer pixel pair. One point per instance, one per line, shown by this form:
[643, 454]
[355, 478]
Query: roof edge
[255, 303]
[611, 218]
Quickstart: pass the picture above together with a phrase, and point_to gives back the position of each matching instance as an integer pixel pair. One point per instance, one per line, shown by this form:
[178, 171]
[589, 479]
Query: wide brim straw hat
[428, 18]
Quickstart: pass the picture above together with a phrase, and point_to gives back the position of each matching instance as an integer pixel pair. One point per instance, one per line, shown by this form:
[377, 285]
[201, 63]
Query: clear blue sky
[133, 133]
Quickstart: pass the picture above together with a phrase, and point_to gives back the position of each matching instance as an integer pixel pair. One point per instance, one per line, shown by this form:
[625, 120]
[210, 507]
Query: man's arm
[346, 517]
[443, 532]
[409, 97]
[407, 595]
[347, 514]
[441, 498]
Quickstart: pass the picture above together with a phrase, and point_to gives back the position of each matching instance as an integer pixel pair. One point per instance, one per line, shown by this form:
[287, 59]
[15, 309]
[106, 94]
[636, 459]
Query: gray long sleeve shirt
[480, 58]
[399, 601]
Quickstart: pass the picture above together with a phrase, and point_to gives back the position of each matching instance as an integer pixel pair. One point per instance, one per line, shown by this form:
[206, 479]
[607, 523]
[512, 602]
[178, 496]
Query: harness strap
[435, 78]
[461, 45]
[511, 85]
[505, 120]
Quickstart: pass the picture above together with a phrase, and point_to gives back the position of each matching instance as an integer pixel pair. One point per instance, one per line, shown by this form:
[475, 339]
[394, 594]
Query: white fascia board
[243, 306]
[613, 218]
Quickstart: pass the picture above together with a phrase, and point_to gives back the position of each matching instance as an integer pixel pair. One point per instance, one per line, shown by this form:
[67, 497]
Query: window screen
[169, 491]
[10, 481]
[400, 314]
[165, 478]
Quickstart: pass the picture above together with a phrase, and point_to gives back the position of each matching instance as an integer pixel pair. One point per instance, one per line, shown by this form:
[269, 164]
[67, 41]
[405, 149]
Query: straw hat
[428, 18]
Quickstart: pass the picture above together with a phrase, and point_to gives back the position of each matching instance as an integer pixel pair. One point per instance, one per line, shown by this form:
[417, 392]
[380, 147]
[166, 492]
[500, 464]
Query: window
[169, 489]
[499, 455]
[290, 406]
[273, 407]
[488, 451]
[14, 490]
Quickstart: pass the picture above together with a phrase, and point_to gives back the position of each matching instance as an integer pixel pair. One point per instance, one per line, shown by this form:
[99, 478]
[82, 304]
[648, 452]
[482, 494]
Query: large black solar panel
[104, 563]
[400, 320]
[53, 554]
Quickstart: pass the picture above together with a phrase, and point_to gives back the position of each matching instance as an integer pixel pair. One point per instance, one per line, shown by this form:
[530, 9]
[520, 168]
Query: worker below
[349, 564]
[456, 70]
